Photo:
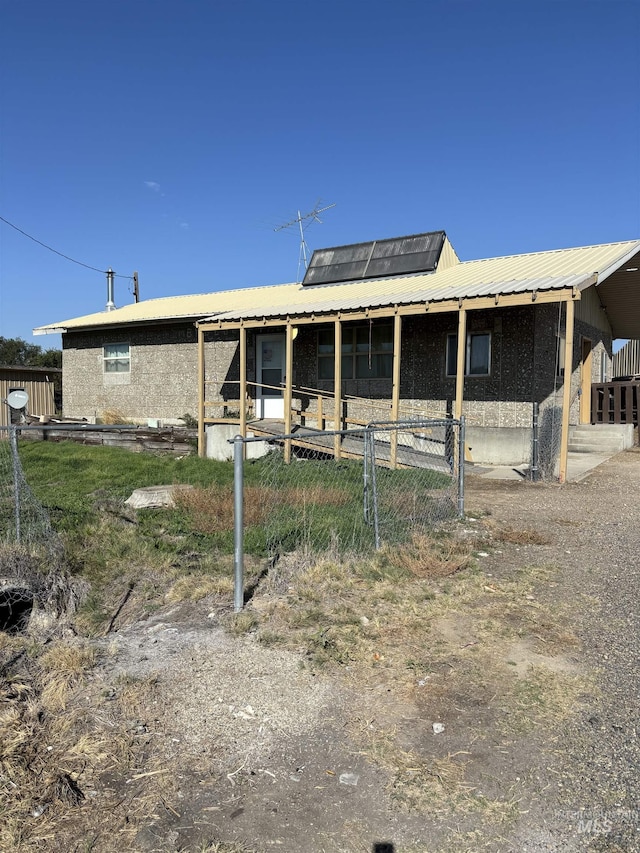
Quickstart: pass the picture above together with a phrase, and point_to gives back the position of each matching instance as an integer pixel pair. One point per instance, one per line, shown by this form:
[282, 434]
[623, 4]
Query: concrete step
[594, 448]
[600, 438]
[603, 429]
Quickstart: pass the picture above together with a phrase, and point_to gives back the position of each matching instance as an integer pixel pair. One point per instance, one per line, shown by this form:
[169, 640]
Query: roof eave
[604, 274]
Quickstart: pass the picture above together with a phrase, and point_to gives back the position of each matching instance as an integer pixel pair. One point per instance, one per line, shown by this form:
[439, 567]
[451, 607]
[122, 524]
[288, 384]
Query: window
[367, 352]
[116, 358]
[477, 357]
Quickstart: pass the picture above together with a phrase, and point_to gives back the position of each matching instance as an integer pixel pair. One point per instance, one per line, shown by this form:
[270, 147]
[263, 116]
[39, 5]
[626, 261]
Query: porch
[434, 362]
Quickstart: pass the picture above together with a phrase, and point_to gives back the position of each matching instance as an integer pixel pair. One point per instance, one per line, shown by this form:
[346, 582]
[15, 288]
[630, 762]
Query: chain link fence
[546, 439]
[387, 481]
[32, 570]
[23, 519]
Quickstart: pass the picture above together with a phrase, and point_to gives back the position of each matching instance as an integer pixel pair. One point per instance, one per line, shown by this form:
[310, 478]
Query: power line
[56, 252]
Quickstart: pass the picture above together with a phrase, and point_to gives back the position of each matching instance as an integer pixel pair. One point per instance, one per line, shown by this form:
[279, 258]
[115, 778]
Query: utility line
[56, 252]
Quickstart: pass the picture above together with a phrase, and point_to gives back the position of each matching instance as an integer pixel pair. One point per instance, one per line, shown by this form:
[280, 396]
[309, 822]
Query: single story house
[409, 328]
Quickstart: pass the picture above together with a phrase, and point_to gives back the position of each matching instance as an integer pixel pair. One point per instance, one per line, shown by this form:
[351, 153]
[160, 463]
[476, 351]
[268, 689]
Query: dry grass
[211, 509]
[58, 735]
[195, 587]
[515, 535]
[425, 613]
[428, 556]
[114, 416]
[60, 668]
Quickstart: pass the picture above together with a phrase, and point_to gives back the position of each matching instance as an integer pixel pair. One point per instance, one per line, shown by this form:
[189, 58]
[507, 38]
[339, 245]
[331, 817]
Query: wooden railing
[614, 403]
[323, 414]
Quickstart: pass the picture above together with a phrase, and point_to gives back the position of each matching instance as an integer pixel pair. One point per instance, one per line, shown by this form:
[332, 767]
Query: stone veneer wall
[162, 382]
[524, 344]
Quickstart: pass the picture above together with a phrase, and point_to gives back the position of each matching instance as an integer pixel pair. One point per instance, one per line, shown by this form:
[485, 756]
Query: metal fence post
[238, 525]
[13, 440]
[461, 467]
[365, 470]
[374, 488]
[535, 449]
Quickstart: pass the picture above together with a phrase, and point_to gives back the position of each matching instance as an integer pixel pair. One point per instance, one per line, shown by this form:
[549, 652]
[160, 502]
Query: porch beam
[337, 385]
[566, 389]
[509, 300]
[395, 390]
[288, 375]
[201, 394]
[243, 382]
[460, 362]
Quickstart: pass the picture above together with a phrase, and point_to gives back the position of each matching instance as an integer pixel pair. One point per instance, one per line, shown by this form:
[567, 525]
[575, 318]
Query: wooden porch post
[460, 362]
[288, 369]
[395, 390]
[566, 389]
[337, 385]
[201, 394]
[242, 388]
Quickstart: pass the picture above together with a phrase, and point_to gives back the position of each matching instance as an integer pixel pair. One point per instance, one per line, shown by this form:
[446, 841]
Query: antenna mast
[312, 216]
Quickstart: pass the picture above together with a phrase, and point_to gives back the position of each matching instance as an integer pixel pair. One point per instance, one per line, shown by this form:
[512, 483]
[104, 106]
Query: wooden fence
[614, 403]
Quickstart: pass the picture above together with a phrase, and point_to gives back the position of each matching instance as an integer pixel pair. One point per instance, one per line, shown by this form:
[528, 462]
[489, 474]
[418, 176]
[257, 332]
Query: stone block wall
[524, 346]
[162, 382]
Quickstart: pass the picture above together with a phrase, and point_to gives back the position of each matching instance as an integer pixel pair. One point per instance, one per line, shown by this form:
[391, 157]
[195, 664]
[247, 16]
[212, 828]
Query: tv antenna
[303, 221]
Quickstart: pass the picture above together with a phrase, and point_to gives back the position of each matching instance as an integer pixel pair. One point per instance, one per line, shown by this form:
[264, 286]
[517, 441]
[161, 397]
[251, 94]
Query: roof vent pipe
[110, 303]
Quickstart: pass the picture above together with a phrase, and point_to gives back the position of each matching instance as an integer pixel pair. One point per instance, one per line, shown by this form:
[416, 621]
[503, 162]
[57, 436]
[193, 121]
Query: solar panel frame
[414, 253]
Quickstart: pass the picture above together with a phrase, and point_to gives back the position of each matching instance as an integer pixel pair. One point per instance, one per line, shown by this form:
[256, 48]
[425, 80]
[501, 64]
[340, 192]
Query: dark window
[367, 352]
[477, 356]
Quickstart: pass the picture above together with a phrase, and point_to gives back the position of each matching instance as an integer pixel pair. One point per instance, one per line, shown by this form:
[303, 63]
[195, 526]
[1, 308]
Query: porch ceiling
[620, 297]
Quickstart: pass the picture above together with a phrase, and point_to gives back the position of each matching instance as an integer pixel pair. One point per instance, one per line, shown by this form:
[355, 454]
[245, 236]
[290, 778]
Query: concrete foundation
[499, 445]
[218, 444]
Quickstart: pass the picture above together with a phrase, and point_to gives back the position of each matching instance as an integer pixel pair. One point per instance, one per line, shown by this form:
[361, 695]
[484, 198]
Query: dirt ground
[514, 728]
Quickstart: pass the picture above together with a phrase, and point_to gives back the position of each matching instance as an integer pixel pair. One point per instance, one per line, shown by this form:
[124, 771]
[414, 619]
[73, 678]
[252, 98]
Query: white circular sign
[18, 399]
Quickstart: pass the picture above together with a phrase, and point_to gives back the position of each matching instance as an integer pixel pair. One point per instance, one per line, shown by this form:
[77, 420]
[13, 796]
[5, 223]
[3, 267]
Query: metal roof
[538, 271]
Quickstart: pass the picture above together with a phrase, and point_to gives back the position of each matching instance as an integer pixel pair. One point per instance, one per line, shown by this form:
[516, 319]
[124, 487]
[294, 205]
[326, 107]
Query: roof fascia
[617, 264]
[161, 321]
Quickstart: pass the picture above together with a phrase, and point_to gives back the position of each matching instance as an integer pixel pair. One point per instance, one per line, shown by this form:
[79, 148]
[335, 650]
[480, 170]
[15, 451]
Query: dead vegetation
[211, 510]
[416, 633]
[507, 533]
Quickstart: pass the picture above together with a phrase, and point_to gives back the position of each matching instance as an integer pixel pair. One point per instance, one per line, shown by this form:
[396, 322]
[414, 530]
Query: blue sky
[173, 137]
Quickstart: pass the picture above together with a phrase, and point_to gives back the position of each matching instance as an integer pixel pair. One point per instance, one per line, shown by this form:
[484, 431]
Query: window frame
[451, 370]
[112, 359]
[353, 350]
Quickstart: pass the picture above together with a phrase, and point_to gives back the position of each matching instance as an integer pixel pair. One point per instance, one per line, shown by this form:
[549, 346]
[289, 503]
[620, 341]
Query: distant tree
[15, 351]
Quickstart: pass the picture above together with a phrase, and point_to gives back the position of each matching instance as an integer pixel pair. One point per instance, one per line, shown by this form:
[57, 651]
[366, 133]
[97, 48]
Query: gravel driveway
[590, 775]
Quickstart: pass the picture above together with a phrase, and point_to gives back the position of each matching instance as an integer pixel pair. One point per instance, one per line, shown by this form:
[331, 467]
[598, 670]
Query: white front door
[270, 376]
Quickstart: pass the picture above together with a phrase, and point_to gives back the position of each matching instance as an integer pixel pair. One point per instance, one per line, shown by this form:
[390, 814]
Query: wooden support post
[395, 391]
[460, 362]
[288, 370]
[242, 387]
[337, 385]
[202, 449]
[566, 389]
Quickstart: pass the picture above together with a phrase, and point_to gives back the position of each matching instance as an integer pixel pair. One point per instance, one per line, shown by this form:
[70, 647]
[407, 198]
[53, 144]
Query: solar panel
[376, 259]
